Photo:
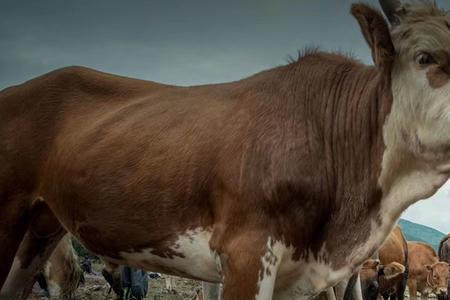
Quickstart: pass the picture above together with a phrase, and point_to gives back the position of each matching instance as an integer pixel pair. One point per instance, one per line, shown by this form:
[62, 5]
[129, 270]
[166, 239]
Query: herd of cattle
[242, 183]
[398, 264]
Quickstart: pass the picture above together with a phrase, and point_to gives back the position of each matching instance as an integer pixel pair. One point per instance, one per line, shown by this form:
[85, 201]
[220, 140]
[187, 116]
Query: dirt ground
[96, 288]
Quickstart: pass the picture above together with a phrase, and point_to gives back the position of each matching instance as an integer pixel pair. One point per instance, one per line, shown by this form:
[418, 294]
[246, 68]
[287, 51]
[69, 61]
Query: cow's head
[438, 275]
[372, 271]
[412, 49]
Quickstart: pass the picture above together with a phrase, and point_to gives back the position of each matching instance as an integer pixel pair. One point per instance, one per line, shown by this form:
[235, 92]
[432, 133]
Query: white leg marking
[54, 289]
[267, 276]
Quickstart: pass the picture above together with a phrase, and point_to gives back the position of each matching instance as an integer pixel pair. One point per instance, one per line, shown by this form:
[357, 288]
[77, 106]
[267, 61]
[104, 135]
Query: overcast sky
[182, 42]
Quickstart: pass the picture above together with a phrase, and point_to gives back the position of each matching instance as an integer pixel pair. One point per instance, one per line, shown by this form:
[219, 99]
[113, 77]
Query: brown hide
[426, 273]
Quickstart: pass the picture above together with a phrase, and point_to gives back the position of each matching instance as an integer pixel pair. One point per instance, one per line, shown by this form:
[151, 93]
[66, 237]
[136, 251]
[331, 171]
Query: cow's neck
[343, 108]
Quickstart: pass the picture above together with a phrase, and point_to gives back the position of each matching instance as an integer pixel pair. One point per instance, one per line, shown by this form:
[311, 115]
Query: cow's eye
[425, 59]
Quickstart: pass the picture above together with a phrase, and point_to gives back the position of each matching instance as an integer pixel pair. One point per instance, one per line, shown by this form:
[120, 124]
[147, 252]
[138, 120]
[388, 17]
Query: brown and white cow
[243, 182]
[426, 273]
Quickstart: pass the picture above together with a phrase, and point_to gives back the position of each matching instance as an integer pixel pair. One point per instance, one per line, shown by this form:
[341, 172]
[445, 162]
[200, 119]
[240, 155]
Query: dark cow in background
[387, 275]
[426, 273]
[444, 255]
[247, 181]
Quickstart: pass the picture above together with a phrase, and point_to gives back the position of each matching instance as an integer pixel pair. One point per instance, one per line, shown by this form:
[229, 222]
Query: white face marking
[198, 260]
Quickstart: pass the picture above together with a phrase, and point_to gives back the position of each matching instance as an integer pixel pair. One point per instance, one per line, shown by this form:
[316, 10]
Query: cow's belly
[190, 256]
[305, 279]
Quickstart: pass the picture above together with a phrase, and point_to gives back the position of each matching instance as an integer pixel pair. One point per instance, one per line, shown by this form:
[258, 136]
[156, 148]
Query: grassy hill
[422, 233]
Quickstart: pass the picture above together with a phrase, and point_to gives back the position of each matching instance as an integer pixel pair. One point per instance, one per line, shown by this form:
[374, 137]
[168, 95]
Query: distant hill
[422, 233]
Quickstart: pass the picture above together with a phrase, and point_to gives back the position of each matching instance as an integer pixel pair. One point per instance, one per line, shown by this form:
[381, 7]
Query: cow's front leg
[412, 287]
[249, 266]
[423, 296]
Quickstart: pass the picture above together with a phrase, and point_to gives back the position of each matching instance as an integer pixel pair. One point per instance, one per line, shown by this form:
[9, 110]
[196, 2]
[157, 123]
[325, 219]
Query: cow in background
[426, 273]
[386, 275]
[377, 279]
[444, 255]
[394, 250]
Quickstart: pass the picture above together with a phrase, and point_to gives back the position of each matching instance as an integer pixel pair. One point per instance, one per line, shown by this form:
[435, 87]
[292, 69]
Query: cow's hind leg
[40, 240]
[412, 287]
[13, 224]
[211, 291]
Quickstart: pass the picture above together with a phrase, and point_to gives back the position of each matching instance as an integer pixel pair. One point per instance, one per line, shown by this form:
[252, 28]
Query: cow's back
[394, 248]
[420, 254]
[32, 115]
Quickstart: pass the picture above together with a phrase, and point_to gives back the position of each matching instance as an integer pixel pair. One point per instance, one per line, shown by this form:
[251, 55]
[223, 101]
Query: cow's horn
[390, 8]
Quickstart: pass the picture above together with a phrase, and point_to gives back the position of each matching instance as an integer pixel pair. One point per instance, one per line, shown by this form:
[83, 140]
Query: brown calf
[426, 273]
[247, 181]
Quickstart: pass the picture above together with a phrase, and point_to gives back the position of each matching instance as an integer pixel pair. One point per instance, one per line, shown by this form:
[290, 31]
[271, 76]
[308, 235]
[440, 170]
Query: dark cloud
[172, 41]
[175, 41]
[179, 42]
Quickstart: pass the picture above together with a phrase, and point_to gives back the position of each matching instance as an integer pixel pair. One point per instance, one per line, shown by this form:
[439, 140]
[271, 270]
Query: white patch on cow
[304, 278]
[195, 259]
[54, 290]
[270, 262]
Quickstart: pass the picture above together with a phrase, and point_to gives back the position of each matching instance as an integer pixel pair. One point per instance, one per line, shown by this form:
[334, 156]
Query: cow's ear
[376, 32]
[393, 269]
